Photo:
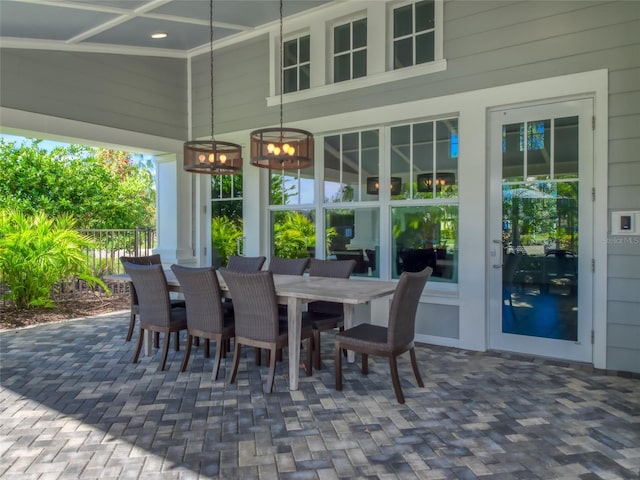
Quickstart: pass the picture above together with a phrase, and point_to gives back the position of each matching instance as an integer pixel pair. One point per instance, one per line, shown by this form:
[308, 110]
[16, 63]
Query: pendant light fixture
[211, 156]
[281, 148]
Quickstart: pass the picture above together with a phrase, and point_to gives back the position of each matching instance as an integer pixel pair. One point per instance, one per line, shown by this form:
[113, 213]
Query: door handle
[501, 264]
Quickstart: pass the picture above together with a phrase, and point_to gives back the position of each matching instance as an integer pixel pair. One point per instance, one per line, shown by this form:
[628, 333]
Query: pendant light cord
[211, 63]
[281, 65]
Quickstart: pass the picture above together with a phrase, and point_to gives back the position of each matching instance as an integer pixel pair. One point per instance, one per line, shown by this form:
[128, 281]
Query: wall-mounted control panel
[625, 223]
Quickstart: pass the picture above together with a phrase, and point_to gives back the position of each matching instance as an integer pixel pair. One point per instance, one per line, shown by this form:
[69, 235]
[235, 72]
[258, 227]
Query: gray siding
[139, 94]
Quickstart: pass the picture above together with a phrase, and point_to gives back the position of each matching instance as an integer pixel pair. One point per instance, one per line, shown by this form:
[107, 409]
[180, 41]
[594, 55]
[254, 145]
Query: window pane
[369, 161]
[446, 178]
[332, 146]
[512, 154]
[403, 53]
[566, 147]
[425, 16]
[401, 158]
[293, 233]
[305, 49]
[402, 24]
[342, 68]
[423, 159]
[342, 38]
[354, 234]
[290, 53]
[426, 236]
[539, 149]
[305, 77]
[424, 48]
[350, 166]
[290, 79]
[360, 33]
[359, 64]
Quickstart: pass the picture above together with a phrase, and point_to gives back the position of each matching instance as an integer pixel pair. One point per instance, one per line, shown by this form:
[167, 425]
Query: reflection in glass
[426, 236]
[354, 234]
[540, 270]
[293, 233]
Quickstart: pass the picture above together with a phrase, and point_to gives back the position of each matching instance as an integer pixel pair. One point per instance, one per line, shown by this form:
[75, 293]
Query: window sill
[364, 82]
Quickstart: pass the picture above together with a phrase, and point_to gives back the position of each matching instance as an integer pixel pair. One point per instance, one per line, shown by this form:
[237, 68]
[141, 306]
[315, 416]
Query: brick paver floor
[72, 405]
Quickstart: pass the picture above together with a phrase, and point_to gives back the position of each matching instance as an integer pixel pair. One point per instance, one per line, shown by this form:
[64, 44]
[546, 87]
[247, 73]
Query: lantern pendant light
[210, 156]
[281, 148]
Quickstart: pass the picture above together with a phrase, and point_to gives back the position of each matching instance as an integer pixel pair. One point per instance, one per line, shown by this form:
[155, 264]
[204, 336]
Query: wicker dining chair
[390, 341]
[320, 315]
[135, 308]
[205, 315]
[288, 266]
[156, 312]
[239, 263]
[257, 320]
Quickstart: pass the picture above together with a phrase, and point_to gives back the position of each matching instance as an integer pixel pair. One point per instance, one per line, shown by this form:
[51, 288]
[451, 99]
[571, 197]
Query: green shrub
[224, 236]
[37, 252]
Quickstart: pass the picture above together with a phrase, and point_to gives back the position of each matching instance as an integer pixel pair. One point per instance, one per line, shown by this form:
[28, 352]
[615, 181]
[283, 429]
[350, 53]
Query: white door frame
[582, 348]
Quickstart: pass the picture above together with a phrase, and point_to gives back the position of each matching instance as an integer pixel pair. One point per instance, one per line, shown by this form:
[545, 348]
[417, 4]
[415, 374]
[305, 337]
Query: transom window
[350, 50]
[296, 65]
[414, 34]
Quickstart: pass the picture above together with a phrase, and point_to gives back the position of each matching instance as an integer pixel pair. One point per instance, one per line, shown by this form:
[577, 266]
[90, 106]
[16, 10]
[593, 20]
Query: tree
[99, 188]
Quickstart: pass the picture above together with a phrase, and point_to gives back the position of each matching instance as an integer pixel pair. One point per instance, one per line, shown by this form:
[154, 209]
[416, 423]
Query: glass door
[541, 234]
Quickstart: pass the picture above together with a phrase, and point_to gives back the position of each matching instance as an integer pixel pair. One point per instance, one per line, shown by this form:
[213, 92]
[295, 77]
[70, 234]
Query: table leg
[148, 342]
[294, 317]
[349, 311]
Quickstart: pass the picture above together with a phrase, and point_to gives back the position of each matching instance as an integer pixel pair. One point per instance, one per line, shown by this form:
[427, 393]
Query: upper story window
[414, 34]
[350, 50]
[296, 64]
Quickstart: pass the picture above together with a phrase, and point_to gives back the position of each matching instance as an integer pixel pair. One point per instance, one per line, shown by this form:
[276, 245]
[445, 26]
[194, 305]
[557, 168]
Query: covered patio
[72, 405]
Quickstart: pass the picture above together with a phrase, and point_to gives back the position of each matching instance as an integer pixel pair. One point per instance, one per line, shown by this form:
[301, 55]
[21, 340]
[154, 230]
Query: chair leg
[272, 370]
[165, 349]
[156, 340]
[258, 356]
[414, 364]
[338, 363]
[187, 353]
[207, 348]
[139, 346]
[236, 361]
[176, 341]
[393, 365]
[308, 366]
[216, 360]
[365, 364]
[132, 324]
[317, 349]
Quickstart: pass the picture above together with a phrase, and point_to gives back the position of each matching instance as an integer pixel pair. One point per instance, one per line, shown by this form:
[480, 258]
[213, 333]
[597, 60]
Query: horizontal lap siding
[139, 94]
[240, 89]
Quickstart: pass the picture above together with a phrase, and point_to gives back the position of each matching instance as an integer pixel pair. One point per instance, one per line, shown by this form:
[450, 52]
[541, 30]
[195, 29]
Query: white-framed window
[296, 64]
[350, 50]
[414, 28]
[351, 166]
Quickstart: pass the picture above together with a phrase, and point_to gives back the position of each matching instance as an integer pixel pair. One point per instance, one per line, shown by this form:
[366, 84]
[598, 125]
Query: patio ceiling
[125, 26]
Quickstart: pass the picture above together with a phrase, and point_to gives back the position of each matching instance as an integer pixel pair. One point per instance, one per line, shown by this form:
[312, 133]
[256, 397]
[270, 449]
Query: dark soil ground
[11, 317]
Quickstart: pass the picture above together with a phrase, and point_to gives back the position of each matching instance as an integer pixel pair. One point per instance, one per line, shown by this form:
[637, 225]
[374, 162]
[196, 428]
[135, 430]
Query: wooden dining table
[295, 291]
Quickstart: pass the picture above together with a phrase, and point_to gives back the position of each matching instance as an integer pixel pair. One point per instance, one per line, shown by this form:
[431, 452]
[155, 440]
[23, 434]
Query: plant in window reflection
[224, 235]
[294, 235]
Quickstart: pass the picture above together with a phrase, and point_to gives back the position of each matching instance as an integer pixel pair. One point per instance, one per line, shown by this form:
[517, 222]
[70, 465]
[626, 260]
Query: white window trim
[331, 37]
[379, 16]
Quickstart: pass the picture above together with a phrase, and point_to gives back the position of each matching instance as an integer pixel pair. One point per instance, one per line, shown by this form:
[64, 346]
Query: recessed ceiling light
[159, 35]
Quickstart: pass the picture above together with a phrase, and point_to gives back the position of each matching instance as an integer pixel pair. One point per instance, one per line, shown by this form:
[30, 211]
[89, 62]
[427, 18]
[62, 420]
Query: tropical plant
[294, 234]
[37, 252]
[224, 236]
